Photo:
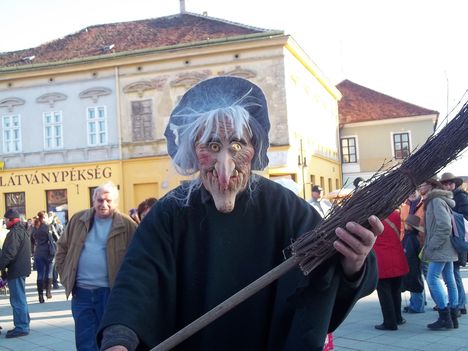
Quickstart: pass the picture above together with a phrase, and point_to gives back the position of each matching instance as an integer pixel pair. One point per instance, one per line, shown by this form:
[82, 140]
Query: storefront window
[16, 201]
[57, 202]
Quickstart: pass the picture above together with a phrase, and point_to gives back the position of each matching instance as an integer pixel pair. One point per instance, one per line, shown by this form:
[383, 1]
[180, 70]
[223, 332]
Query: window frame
[6, 142]
[393, 143]
[348, 137]
[96, 121]
[53, 126]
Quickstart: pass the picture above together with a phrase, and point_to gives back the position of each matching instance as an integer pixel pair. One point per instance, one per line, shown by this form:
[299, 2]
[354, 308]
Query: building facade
[378, 131]
[93, 106]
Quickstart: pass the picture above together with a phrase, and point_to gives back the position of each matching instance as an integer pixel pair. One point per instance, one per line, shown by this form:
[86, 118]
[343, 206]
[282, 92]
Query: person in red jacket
[392, 266]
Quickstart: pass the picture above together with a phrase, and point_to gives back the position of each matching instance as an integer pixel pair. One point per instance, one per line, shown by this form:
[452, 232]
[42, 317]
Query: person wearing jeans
[453, 183]
[21, 319]
[439, 252]
[87, 308]
[435, 270]
[88, 257]
[15, 257]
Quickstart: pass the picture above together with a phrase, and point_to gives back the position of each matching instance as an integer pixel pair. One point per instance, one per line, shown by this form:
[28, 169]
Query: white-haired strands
[204, 127]
[107, 187]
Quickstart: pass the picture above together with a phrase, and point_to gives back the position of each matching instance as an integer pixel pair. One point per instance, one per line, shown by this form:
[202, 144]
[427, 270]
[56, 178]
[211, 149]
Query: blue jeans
[417, 301]
[460, 287]
[435, 286]
[42, 267]
[19, 304]
[87, 308]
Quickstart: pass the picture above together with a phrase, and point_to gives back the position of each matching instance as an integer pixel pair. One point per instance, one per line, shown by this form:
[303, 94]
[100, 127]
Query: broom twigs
[385, 192]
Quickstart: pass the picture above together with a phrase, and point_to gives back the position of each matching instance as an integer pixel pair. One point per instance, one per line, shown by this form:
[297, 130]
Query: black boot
[444, 321]
[454, 314]
[40, 290]
[48, 287]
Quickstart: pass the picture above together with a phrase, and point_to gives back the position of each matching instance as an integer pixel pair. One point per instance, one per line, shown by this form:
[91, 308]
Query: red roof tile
[128, 36]
[360, 104]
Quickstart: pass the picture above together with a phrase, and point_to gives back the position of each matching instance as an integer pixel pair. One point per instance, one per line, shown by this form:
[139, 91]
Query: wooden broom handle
[226, 305]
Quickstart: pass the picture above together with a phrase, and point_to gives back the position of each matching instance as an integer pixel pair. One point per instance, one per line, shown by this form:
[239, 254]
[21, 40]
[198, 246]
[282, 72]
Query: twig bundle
[380, 197]
[384, 193]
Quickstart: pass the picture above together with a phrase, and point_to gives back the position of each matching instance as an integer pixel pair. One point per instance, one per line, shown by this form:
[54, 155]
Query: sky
[413, 50]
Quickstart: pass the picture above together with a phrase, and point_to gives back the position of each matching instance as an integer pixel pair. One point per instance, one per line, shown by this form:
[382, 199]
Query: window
[97, 126]
[142, 120]
[16, 201]
[57, 202]
[53, 138]
[401, 146]
[11, 133]
[348, 150]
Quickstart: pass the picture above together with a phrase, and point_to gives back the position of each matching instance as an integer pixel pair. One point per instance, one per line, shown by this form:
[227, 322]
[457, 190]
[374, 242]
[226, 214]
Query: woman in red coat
[392, 266]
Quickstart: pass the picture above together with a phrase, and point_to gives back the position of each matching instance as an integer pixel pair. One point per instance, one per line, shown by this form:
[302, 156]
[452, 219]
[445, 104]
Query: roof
[361, 104]
[104, 39]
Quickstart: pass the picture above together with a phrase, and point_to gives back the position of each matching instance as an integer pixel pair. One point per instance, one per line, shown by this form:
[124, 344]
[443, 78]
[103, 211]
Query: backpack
[459, 236]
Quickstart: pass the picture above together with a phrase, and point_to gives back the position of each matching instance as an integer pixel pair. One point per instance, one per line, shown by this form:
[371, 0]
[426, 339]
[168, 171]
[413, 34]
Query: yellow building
[93, 106]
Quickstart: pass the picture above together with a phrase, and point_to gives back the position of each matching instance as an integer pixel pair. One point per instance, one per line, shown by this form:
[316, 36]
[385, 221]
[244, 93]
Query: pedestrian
[15, 257]
[89, 254]
[452, 183]
[316, 201]
[145, 206]
[413, 206]
[42, 257]
[413, 281]
[392, 265]
[213, 235]
[439, 252]
[56, 230]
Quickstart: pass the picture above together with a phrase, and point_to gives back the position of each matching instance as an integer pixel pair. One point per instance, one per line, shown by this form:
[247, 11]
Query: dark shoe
[403, 321]
[15, 333]
[454, 314]
[435, 308]
[48, 288]
[55, 286]
[410, 310]
[444, 321]
[384, 327]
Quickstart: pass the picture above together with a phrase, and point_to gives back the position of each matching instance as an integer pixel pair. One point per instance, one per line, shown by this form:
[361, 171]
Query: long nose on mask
[224, 167]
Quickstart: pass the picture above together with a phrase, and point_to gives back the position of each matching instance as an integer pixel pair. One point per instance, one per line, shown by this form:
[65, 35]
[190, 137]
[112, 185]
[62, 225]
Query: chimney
[182, 6]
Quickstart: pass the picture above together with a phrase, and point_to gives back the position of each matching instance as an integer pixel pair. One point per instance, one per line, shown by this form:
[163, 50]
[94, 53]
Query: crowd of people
[176, 258]
[424, 251]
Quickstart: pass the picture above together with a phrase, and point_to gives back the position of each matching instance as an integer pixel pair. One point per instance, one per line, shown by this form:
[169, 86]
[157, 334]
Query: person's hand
[355, 242]
[117, 348]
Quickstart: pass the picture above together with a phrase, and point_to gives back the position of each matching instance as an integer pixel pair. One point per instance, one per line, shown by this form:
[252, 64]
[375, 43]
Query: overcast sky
[413, 50]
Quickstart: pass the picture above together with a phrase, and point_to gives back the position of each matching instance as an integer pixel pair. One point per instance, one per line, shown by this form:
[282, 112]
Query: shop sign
[53, 177]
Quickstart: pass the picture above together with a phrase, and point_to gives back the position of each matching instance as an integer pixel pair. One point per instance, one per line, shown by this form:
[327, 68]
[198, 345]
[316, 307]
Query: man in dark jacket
[210, 237]
[452, 183]
[15, 257]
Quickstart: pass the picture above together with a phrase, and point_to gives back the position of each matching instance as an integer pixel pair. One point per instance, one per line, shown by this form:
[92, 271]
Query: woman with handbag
[42, 256]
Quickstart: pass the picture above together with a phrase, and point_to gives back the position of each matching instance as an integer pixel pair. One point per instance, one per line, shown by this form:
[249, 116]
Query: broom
[382, 194]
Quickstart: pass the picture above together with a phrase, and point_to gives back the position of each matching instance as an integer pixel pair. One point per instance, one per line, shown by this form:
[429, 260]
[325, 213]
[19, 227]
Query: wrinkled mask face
[225, 165]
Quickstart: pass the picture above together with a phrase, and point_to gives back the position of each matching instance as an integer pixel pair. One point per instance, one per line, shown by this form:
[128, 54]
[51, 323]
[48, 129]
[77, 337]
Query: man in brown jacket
[88, 258]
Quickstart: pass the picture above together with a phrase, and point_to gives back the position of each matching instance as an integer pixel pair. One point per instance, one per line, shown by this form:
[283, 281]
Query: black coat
[183, 261]
[412, 281]
[15, 254]
[461, 206]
